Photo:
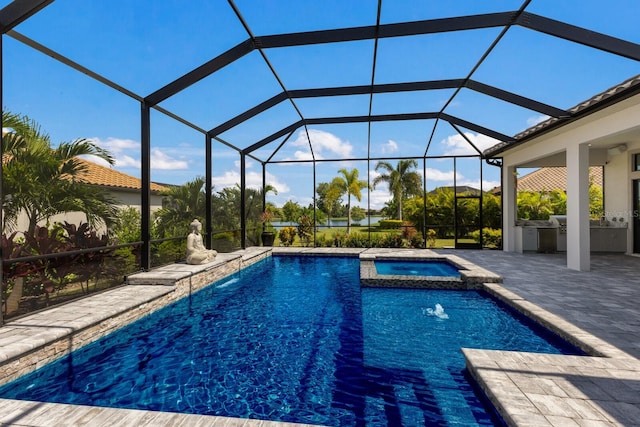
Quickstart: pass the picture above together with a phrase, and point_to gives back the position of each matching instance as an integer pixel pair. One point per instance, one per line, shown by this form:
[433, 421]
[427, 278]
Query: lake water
[375, 219]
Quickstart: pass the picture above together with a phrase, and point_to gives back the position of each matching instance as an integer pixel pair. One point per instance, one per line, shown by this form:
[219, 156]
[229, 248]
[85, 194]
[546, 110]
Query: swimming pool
[295, 339]
[427, 267]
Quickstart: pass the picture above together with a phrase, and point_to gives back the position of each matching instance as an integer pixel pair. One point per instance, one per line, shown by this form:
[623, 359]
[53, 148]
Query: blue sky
[143, 45]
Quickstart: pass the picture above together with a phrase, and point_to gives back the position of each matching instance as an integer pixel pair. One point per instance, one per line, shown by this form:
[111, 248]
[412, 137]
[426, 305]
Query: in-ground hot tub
[428, 270]
[407, 267]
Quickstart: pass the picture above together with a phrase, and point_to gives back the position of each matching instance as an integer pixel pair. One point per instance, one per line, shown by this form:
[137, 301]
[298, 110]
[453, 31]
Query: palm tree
[402, 181]
[329, 195]
[40, 181]
[352, 186]
[180, 205]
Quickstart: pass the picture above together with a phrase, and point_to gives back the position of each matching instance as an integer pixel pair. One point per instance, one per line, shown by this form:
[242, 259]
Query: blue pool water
[296, 339]
[416, 268]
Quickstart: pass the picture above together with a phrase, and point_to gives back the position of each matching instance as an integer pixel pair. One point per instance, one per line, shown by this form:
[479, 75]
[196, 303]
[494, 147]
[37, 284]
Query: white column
[578, 238]
[509, 208]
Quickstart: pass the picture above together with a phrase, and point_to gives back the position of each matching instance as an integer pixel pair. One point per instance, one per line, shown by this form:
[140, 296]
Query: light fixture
[618, 149]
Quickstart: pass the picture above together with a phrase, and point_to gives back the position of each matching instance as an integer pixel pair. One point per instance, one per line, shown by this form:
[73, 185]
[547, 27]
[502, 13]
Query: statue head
[195, 225]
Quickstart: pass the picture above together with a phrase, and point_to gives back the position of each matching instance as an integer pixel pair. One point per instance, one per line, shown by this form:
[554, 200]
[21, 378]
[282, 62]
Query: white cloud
[248, 164]
[305, 155]
[442, 176]
[379, 197]
[228, 179]
[126, 153]
[532, 121]
[322, 142]
[116, 145]
[456, 145]
[390, 147]
[160, 160]
[127, 161]
[231, 178]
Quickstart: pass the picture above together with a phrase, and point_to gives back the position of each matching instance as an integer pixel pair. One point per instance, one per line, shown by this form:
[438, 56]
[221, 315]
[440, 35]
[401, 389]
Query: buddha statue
[197, 253]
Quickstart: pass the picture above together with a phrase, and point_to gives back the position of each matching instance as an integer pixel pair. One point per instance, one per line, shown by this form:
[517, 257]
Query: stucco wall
[610, 127]
[126, 199]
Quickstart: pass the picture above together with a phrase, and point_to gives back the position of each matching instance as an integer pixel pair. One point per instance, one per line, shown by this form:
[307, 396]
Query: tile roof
[104, 176]
[612, 95]
[553, 178]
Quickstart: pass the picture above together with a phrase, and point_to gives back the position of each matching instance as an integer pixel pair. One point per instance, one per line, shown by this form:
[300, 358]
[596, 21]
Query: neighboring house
[459, 189]
[602, 131]
[551, 178]
[124, 188]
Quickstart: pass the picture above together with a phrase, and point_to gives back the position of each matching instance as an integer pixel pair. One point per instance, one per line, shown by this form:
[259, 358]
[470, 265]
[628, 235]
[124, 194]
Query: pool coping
[525, 388]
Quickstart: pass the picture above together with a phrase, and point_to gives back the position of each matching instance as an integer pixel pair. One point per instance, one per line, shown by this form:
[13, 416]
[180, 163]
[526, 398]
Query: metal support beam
[273, 137]
[580, 35]
[243, 201]
[200, 73]
[145, 188]
[430, 26]
[248, 114]
[480, 129]
[68, 62]
[485, 89]
[208, 190]
[516, 99]
[2, 254]
[18, 11]
[378, 118]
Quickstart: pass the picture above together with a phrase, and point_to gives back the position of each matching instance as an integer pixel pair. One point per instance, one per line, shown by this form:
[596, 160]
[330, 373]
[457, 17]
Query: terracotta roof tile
[105, 176]
[553, 178]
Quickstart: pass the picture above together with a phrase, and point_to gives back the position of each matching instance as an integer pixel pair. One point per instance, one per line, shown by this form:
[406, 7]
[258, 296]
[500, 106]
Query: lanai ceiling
[255, 84]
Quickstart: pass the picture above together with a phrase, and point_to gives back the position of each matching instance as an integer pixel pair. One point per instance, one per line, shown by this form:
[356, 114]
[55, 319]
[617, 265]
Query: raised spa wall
[471, 276]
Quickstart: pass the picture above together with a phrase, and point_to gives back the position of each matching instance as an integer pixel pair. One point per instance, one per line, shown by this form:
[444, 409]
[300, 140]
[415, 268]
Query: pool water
[296, 339]
[416, 268]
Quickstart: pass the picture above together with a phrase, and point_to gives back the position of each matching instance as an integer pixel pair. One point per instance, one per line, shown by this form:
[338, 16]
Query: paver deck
[544, 390]
[529, 389]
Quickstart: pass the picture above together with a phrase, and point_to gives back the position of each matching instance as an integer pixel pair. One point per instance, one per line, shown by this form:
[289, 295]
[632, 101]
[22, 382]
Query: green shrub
[391, 240]
[287, 235]
[322, 241]
[491, 237]
[431, 238]
[305, 229]
[356, 240]
[417, 241]
[337, 240]
[390, 224]
[223, 242]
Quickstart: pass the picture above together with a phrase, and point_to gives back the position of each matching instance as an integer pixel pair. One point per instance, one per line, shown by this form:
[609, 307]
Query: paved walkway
[604, 301]
[550, 390]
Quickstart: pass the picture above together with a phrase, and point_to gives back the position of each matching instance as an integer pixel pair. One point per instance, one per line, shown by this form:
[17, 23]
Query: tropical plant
[305, 229]
[180, 205]
[534, 205]
[291, 211]
[350, 184]
[265, 218]
[402, 181]
[329, 197]
[40, 181]
[287, 235]
[358, 214]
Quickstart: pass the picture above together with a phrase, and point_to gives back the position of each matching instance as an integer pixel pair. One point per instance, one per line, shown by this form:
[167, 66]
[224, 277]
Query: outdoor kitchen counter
[604, 238]
[608, 239]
